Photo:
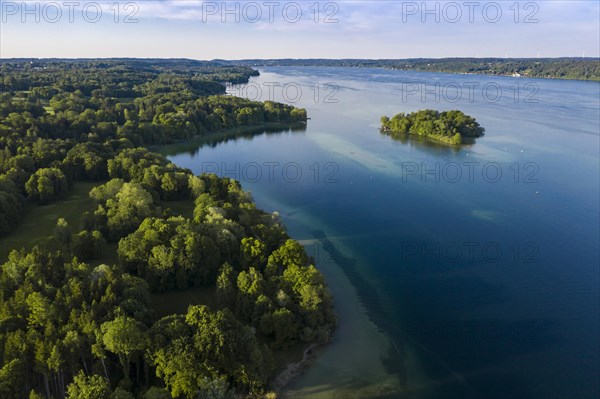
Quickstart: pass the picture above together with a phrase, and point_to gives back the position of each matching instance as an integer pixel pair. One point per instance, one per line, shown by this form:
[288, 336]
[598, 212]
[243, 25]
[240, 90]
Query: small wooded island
[450, 127]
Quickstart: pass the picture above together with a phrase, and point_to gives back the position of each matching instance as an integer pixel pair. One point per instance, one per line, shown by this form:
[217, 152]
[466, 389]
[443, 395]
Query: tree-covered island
[450, 127]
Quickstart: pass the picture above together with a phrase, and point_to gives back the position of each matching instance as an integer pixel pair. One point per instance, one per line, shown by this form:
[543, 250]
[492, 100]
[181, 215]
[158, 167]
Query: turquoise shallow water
[476, 270]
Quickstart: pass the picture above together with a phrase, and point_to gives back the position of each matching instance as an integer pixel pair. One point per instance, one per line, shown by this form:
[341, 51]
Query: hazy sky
[295, 29]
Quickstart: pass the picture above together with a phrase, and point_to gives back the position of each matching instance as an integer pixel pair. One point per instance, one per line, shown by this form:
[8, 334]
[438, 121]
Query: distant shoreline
[563, 68]
[578, 68]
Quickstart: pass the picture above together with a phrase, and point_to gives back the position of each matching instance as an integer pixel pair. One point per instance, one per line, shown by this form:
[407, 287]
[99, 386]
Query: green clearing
[177, 302]
[39, 220]
[184, 208]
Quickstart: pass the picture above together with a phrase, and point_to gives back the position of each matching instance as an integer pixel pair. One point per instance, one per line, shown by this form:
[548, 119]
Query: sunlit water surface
[457, 273]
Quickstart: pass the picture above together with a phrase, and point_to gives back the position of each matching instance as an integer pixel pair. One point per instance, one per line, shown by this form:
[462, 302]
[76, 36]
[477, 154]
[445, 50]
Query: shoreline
[331, 368]
[440, 71]
[356, 362]
[195, 143]
[358, 350]
[293, 370]
[405, 137]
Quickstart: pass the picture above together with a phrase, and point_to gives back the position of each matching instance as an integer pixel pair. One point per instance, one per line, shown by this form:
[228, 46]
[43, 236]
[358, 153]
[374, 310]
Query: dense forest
[557, 68]
[77, 319]
[450, 127]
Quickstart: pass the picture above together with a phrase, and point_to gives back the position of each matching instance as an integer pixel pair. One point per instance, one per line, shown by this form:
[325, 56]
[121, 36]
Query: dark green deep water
[481, 262]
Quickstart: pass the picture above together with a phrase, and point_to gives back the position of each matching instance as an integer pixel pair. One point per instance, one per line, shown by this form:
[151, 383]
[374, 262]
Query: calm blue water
[484, 261]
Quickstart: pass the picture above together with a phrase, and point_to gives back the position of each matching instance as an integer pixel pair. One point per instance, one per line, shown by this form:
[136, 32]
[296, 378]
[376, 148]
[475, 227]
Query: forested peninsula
[107, 227]
[449, 127]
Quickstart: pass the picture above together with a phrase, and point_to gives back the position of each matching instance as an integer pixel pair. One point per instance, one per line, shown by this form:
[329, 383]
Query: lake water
[457, 273]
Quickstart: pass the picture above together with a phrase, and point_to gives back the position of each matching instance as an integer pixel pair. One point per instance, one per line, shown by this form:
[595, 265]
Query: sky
[298, 29]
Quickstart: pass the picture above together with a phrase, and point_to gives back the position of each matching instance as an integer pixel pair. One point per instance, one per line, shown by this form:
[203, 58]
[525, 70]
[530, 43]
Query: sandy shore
[293, 370]
[353, 364]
